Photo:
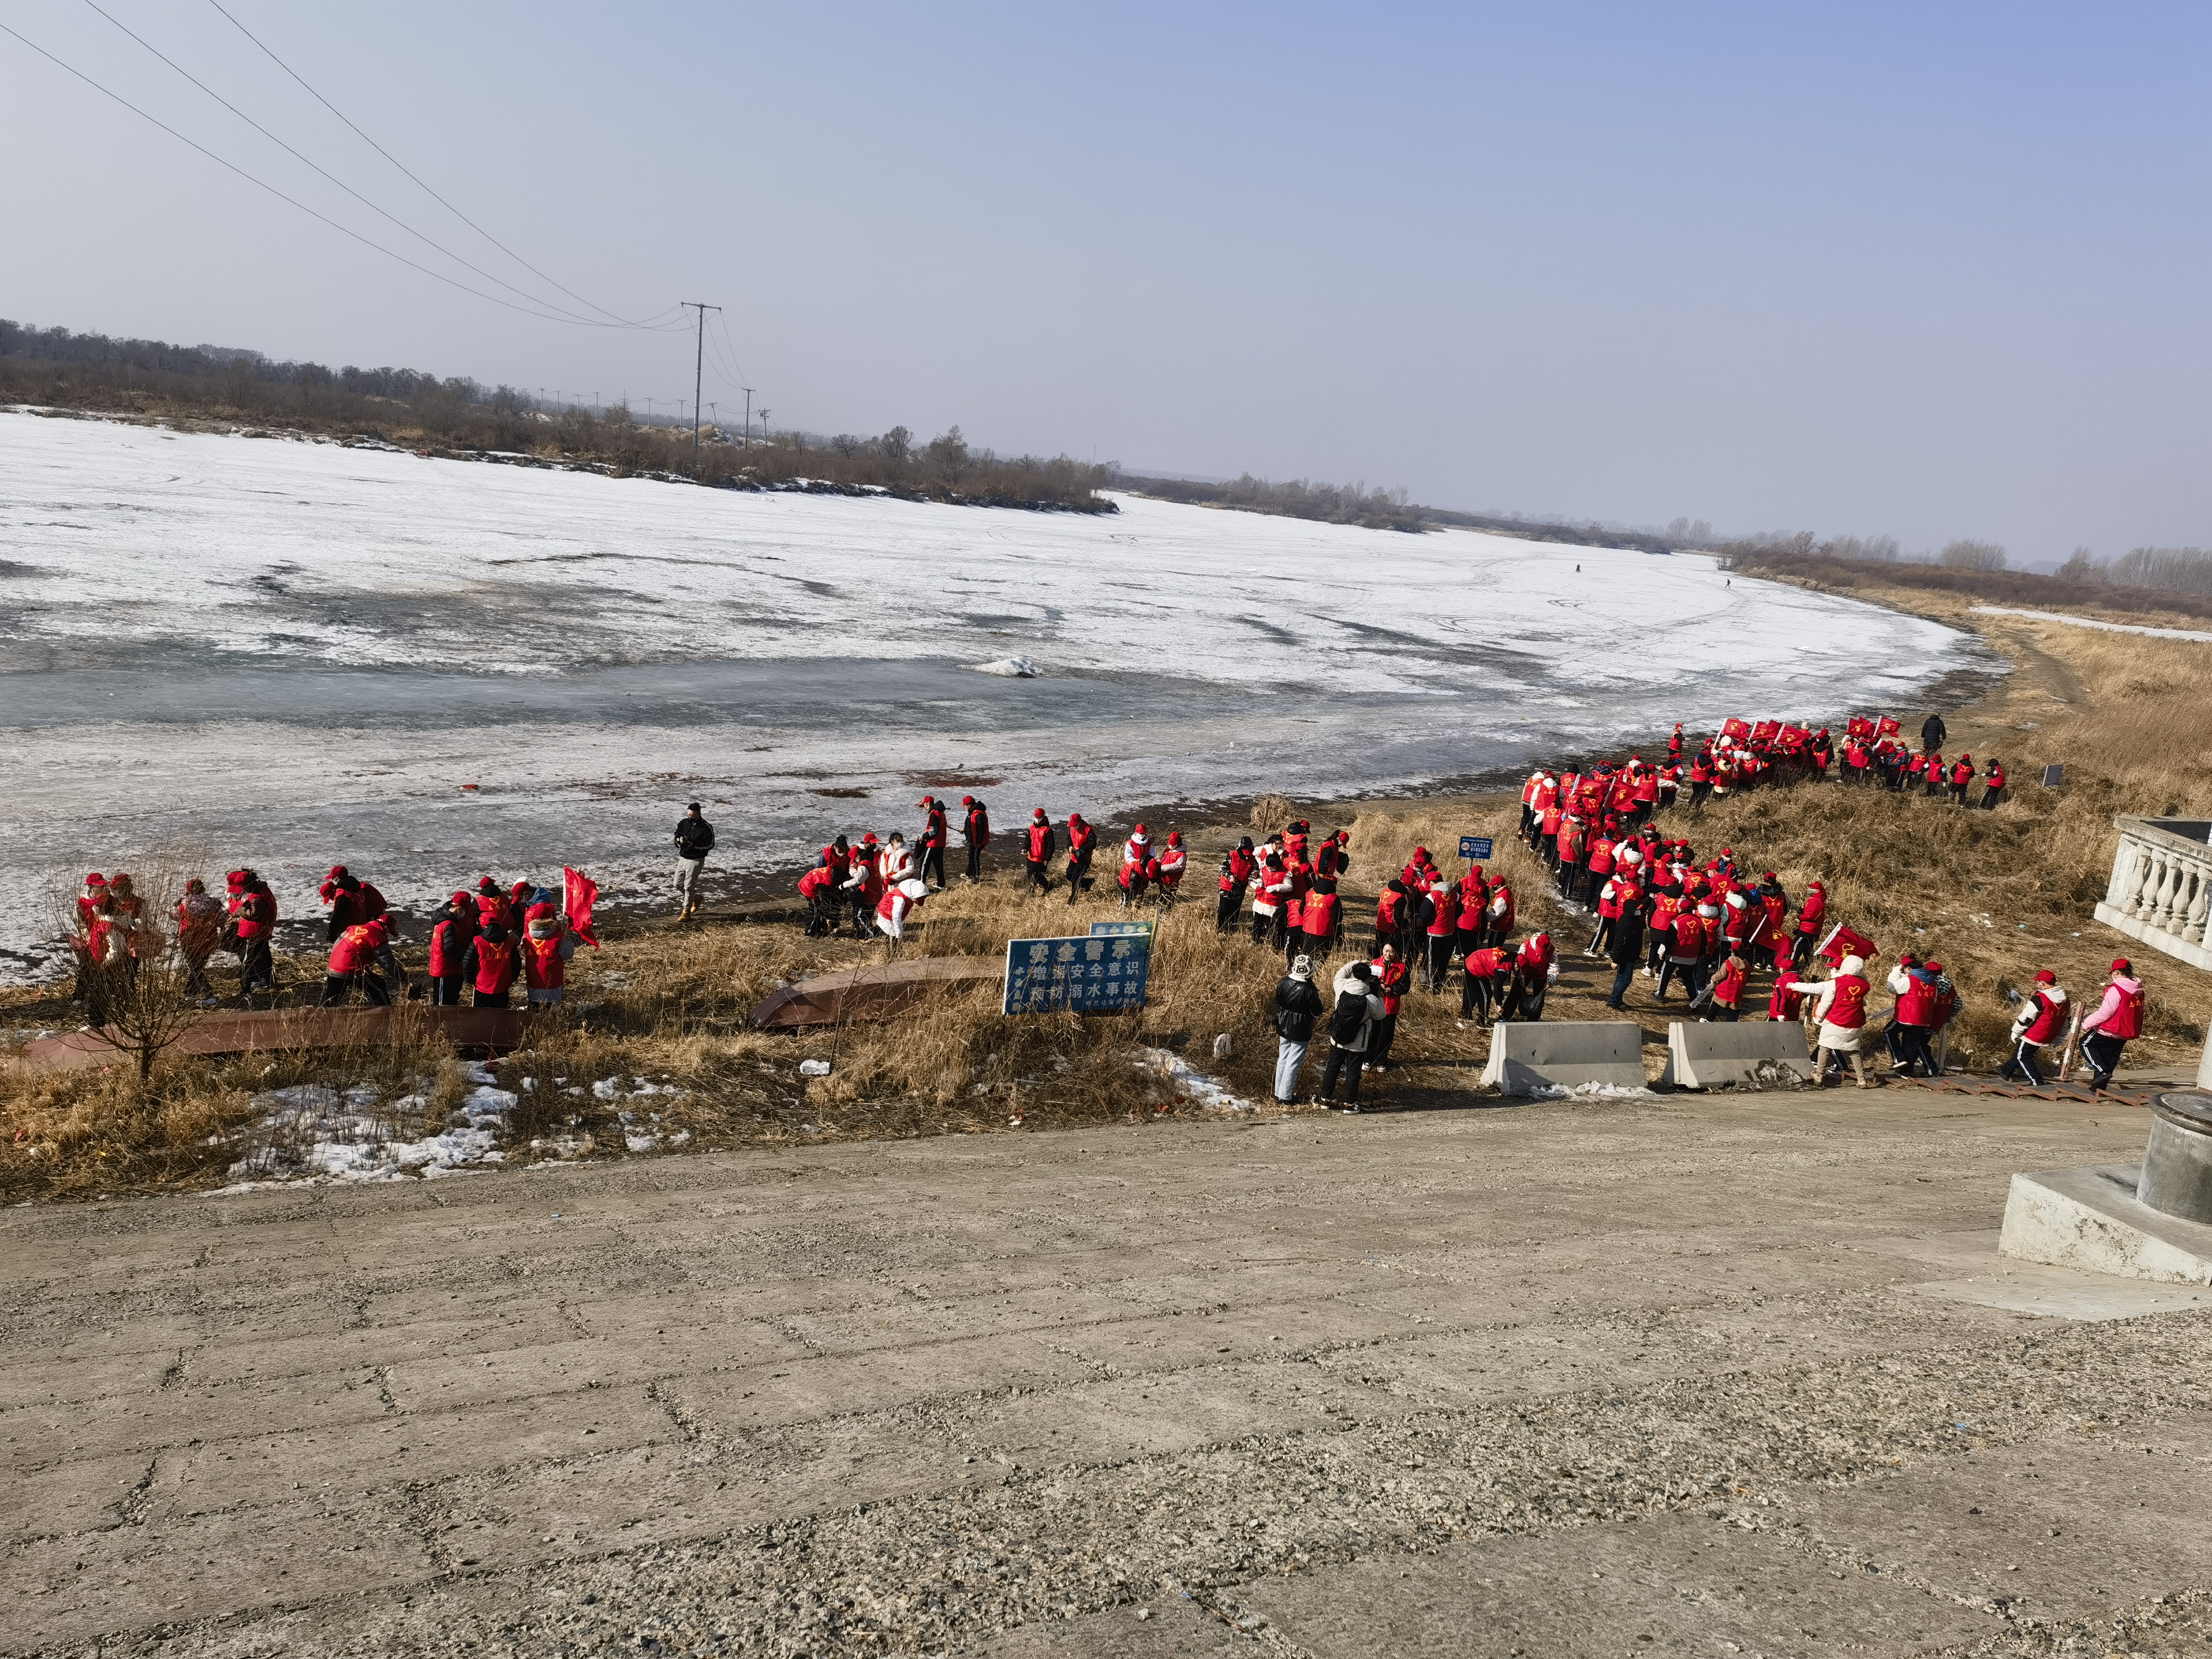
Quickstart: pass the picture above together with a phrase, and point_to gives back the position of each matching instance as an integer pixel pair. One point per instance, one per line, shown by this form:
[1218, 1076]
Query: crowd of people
[483, 943]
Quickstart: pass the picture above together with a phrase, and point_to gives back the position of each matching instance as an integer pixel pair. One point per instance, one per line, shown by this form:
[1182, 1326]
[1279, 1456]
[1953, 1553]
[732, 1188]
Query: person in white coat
[1351, 1026]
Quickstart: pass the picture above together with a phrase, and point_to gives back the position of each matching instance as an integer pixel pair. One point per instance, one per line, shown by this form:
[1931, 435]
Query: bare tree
[847, 444]
[141, 991]
[1972, 556]
[897, 443]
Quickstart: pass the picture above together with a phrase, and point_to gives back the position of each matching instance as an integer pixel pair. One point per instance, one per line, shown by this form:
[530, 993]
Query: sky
[1934, 271]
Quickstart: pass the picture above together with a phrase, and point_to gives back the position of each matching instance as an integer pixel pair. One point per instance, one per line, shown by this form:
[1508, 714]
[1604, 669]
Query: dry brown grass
[1994, 895]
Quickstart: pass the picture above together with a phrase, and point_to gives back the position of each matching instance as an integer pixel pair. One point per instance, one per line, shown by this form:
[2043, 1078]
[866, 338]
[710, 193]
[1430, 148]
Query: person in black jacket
[694, 839]
[1932, 735]
[1625, 948]
[1297, 1005]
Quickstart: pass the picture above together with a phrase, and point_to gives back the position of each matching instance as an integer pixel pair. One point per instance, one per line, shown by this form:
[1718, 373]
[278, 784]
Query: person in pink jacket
[2106, 1028]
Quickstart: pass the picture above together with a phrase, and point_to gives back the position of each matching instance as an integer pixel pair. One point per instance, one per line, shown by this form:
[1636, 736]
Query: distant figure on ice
[694, 839]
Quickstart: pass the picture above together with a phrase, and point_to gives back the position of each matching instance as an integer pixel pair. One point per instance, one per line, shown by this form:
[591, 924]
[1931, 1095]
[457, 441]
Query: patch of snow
[1591, 1092]
[1193, 1087]
[2147, 631]
[1012, 668]
[312, 1133]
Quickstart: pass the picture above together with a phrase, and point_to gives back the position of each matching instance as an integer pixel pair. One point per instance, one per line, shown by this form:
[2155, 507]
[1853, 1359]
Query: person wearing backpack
[1351, 1023]
[1297, 1005]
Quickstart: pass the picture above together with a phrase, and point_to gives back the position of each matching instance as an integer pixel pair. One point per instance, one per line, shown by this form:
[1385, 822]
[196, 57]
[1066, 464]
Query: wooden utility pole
[698, 377]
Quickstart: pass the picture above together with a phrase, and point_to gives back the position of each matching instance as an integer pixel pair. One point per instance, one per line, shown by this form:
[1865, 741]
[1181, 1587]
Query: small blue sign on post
[1091, 975]
[1112, 929]
[1477, 847]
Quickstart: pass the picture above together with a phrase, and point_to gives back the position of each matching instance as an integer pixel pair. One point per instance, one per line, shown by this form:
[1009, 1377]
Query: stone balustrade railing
[2161, 886]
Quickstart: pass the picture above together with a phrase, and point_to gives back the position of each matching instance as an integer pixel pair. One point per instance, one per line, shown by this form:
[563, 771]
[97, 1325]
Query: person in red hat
[1137, 861]
[1037, 846]
[353, 962]
[252, 910]
[930, 843]
[865, 884]
[457, 922]
[2118, 1017]
[84, 918]
[975, 833]
[1174, 858]
[2041, 1021]
[1082, 842]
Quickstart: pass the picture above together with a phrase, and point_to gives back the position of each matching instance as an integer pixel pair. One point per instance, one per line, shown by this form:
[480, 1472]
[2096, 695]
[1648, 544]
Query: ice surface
[2092, 622]
[294, 654]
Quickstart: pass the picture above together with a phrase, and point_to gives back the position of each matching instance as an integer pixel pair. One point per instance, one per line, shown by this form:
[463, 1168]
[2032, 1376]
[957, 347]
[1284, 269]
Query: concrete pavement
[1727, 1374]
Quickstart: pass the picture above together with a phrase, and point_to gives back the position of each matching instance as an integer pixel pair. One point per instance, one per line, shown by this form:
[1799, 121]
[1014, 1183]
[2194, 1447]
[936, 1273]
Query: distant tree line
[2161, 577]
[224, 386]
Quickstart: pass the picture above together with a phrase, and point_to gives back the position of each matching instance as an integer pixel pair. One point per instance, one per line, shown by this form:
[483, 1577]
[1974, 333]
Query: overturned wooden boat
[879, 992]
[496, 1029]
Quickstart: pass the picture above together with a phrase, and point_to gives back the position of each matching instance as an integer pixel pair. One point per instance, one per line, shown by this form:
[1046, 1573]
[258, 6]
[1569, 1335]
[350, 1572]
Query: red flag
[580, 894]
[1886, 727]
[1734, 728]
[1860, 727]
[1843, 942]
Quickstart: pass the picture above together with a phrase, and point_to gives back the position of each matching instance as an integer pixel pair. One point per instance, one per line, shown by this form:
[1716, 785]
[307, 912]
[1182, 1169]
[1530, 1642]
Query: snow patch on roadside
[1193, 1087]
[317, 1134]
[1591, 1091]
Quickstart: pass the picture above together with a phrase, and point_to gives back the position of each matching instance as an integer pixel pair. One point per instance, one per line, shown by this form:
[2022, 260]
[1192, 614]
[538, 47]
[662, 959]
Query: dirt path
[1708, 1375]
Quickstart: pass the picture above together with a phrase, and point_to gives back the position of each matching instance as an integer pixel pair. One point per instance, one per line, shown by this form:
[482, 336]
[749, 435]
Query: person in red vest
[456, 924]
[976, 830]
[252, 909]
[1498, 923]
[1726, 991]
[1912, 1022]
[1568, 849]
[1701, 780]
[1174, 858]
[2118, 1017]
[1535, 967]
[1473, 900]
[1441, 924]
[1294, 837]
[899, 901]
[929, 845]
[818, 887]
[1620, 893]
[1237, 867]
[1270, 894]
[1082, 841]
[866, 886]
[1391, 976]
[1993, 785]
[1962, 779]
[1685, 953]
[1319, 918]
[1479, 980]
[836, 861]
[1840, 1005]
[547, 944]
[1137, 864]
[1332, 857]
[1038, 844]
[489, 965]
[1811, 914]
[2041, 1021]
[353, 961]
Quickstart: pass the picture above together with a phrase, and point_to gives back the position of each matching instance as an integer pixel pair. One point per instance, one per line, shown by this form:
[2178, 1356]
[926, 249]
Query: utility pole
[748, 391]
[698, 377]
[764, 422]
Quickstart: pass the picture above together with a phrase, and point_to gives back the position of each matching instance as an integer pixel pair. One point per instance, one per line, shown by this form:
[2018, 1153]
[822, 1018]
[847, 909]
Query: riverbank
[1994, 895]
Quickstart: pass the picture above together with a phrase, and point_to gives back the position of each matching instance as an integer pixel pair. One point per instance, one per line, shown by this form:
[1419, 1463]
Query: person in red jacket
[976, 830]
[818, 887]
[1082, 841]
[1038, 843]
[456, 924]
[353, 961]
[1685, 953]
[1535, 967]
[1498, 918]
[1332, 858]
[1479, 980]
[1727, 989]
[1993, 785]
[1840, 1005]
[899, 902]
[1137, 864]
[252, 910]
[1812, 915]
[865, 887]
[489, 965]
[1962, 778]
[1391, 976]
[2106, 1028]
[1237, 867]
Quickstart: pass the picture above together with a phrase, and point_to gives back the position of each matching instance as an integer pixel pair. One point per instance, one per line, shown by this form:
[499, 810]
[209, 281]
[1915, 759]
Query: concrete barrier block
[1763, 1053]
[1529, 1059]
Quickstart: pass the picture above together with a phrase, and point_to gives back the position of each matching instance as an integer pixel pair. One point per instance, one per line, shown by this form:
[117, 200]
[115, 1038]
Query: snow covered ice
[294, 654]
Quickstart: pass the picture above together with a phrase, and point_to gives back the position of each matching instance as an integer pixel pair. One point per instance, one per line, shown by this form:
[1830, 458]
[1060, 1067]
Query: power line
[432, 194]
[450, 282]
[334, 179]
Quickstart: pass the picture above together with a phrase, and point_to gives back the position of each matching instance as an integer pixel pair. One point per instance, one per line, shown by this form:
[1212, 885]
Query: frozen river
[295, 654]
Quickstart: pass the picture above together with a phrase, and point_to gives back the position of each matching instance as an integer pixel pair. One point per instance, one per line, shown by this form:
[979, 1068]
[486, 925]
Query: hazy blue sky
[1934, 269]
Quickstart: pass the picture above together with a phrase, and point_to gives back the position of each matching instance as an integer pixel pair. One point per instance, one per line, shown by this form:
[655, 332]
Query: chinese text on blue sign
[1090, 976]
[1477, 848]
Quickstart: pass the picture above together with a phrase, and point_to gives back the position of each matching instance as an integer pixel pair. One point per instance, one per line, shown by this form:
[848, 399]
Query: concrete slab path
[1697, 1375]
